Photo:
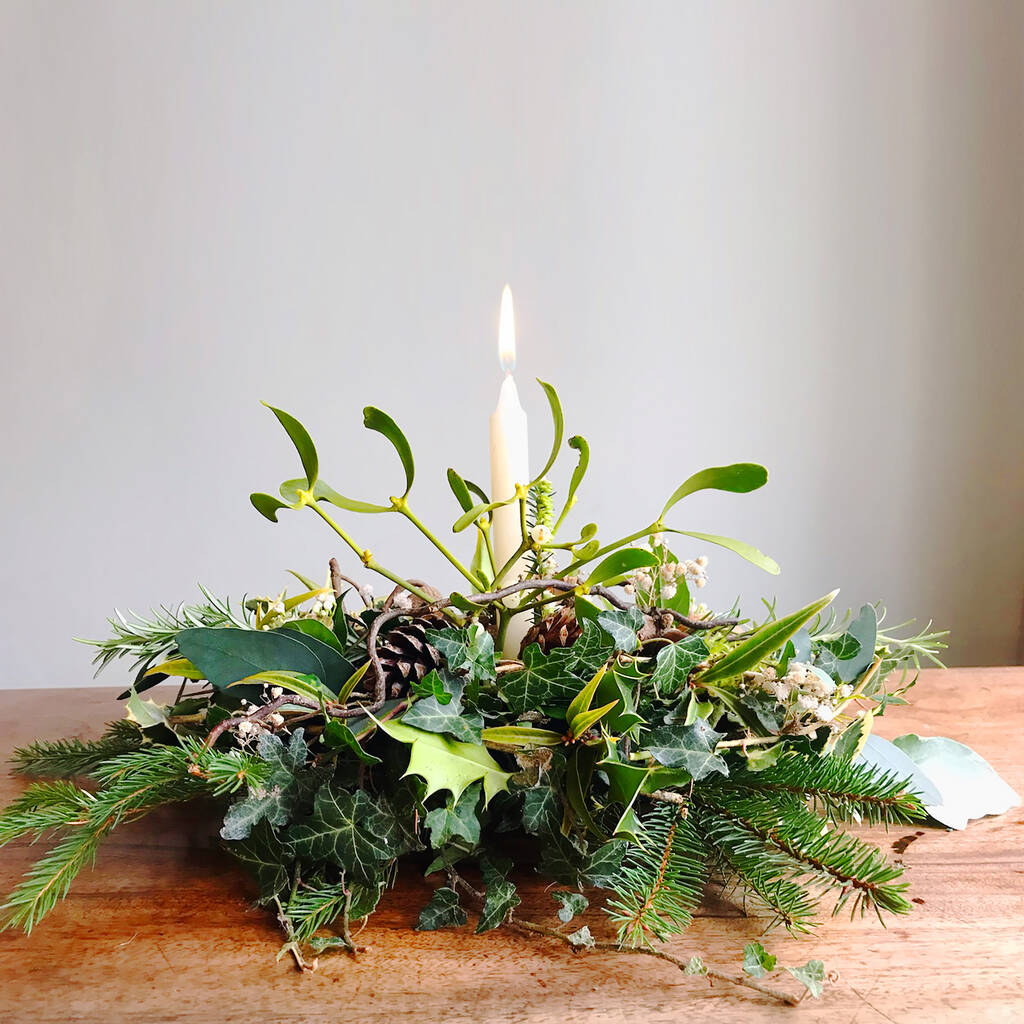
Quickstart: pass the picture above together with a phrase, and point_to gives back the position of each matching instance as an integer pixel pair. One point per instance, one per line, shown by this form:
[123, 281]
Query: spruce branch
[72, 756]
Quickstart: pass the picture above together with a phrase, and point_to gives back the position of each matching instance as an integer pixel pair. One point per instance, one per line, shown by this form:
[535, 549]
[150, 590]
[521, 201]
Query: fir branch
[315, 906]
[840, 789]
[40, 808]
[130, 785]
[661, 880]
[784, 834]
[146, 639]
[66, 757]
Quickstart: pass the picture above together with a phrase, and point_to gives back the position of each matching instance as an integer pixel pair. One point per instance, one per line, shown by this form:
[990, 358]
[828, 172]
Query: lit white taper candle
[510, 465]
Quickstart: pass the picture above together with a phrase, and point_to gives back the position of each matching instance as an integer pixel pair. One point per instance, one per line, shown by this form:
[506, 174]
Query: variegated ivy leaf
[695, 966]
[582, 938]
[433, 715]
[691, 747]
[443, 911]
[675, 662]
[456, 820]
[622, 626]
[811, 976]
[572, 904]
[499, 899]
[757, 961]
[265, 857]
[274, 799]
[468, 651]
[347, 829]
[552, 680]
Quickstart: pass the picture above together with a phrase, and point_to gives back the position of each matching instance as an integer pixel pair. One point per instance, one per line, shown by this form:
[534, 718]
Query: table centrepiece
[632, 746]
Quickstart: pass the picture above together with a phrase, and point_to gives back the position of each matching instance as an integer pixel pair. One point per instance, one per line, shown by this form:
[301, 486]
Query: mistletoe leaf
[267, 505]
[448, 764]
[443, 911]
[460, 490]
[558, 420]
[375, 419]
[347, 829]
[675, 662]
[739, 547]
[619, 563]
[691, 747]
[739, 478]
[299, 437]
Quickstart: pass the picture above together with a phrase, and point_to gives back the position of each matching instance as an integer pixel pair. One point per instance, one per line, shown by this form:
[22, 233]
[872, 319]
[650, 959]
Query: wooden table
[163, 930]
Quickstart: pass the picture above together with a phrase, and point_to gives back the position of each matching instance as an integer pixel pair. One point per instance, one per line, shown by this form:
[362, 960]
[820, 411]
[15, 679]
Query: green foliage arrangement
[640, 745]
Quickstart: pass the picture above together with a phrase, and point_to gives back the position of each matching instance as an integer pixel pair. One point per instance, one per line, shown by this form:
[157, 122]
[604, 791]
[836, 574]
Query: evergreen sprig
[73, 756]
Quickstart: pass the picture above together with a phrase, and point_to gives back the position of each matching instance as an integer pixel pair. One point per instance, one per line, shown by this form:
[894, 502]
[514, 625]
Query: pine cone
[407, 656]
[559, 629]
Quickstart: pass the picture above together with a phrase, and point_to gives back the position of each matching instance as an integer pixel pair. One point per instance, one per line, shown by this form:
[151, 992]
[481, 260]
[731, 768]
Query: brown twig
[685, 620]
[338, 577]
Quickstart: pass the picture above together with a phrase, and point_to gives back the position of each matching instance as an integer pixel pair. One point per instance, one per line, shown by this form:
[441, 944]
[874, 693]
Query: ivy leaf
[265, 857]
[542, 810]
[695, 966]
[622, 626]
[553, 680]
[757, 961]
[572, 904]
[500, 898]
[675, 662]
[448, 764]
[431, 715]
[349, 830]
[603, 864]
[443, 911]
[468, 651]
[431, 685]
[273, 800]
[582, 938]
[456, 820]
[687, 746]
[811, 976]
[375, 419]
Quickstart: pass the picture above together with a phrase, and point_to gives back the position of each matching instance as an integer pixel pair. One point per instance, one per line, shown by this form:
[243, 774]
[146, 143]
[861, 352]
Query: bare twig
[685, 620]
[338, 577]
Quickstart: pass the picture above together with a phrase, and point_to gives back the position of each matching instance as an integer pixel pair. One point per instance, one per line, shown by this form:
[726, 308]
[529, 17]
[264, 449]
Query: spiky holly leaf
[456, 820]
[691, 747]
[273, 800]
[554, 679]
[675, 662]
[622, 626]
[444, 763]
[265, 857]
[443, 911]
[757, 961]
[811, 976]
[434, 715]
[572, 904]
[347, 829]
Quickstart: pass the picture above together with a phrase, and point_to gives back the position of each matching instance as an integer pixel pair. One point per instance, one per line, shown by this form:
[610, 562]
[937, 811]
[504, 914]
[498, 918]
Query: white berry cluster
[669, 575]
[807, 692]
[323, 606]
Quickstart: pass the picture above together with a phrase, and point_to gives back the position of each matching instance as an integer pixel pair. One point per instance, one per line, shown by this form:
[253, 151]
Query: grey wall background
[789, 233]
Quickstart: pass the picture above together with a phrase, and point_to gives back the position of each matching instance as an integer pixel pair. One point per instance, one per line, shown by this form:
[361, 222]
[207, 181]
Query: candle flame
[507, 332]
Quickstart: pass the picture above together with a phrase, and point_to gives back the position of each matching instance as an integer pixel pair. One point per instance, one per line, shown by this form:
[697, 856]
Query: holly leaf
[500, 898]
[274, 799]
[433, 715]
[757, 961]
[811, 976]
[468, 651]
[571, 904]
[265, 857]
[687, 746]
[347, 829]
[675, 662]
[456, 820]
[622, 626]
[445, 763]
[443, 911]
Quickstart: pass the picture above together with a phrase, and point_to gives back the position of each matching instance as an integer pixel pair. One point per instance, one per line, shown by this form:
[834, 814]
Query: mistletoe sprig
[640, 745]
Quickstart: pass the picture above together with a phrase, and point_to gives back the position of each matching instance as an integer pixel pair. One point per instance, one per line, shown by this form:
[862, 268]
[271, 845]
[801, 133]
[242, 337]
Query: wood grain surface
[163, 929]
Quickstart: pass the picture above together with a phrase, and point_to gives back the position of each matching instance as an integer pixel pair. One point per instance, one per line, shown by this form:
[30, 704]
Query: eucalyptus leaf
[883, 754]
